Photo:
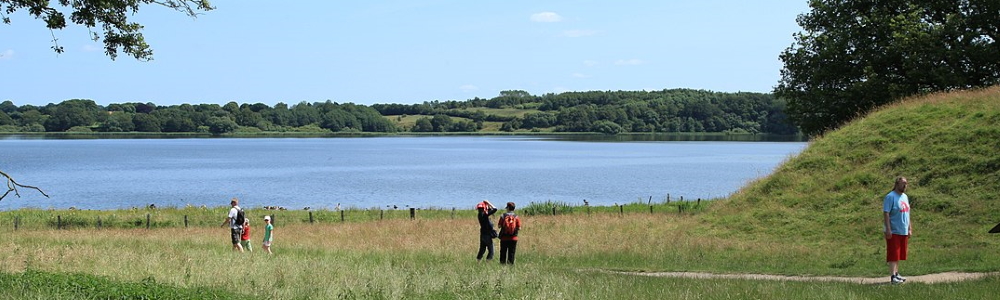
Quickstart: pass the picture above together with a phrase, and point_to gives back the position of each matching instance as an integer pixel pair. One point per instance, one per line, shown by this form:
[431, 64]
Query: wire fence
[27, 219]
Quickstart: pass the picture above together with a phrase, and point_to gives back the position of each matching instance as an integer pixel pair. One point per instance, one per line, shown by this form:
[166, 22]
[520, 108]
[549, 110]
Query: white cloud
[546, 17]
[8, 54]
[468, 88]
[629, 62]
[581, 75]
[578, 33]
[590, 63]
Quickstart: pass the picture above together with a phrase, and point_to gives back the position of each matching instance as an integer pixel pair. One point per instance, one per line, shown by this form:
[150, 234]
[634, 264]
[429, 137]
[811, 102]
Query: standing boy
[896, 219]
[510, 224]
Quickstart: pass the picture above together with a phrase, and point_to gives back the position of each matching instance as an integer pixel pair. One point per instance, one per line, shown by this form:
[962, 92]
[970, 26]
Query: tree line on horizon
[849, 58]
[611, 112]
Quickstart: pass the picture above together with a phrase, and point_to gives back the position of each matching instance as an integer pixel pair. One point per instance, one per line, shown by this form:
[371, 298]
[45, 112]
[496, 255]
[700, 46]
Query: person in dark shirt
[484, 210]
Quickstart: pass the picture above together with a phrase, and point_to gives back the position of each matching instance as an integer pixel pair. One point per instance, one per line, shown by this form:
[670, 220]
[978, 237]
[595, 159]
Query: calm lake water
[441, 172]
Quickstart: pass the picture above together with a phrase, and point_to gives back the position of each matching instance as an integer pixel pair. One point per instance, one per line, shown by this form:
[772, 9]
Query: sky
[406, 51]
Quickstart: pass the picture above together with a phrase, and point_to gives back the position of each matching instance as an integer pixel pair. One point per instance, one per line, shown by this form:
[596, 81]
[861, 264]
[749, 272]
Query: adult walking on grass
[235, 220]
[485, 210]
[896, 219]
[510, 225]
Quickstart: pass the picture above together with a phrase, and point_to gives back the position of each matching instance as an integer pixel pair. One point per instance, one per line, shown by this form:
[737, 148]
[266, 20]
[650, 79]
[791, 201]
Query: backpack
[240, 217]
[508, 225]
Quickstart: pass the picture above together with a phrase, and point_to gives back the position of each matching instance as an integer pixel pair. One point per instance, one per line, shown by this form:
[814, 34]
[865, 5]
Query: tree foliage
[856, 55]
[111, 16]
[206, 118]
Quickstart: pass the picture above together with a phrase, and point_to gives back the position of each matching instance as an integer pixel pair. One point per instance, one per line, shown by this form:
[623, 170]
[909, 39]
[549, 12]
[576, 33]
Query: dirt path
[928, 279]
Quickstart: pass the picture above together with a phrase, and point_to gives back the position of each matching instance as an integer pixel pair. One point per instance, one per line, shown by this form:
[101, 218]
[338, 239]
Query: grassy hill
[946, 144]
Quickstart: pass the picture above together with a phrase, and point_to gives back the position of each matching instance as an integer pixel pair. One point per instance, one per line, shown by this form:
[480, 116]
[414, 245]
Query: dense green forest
[611, 112]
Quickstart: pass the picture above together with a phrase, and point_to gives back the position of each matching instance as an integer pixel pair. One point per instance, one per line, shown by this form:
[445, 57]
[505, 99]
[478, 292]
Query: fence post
[147, 221]
[680, 209]
[341, 215]
[310, 217]
[413, 213]
[58, 222]
[553, 210]
[185, 221]
[668, 198]
[452, 213]
[650, 209]
[17, 219]
[273, 217]
[621, 210]
[699, 203]
[99, 222]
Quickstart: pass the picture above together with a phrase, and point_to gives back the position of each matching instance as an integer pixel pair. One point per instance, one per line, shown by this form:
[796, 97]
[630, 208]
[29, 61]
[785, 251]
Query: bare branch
[13, 185]
[185, 7]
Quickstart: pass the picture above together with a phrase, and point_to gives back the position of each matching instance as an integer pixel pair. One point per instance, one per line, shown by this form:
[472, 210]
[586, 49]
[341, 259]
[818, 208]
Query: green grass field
[818, 214]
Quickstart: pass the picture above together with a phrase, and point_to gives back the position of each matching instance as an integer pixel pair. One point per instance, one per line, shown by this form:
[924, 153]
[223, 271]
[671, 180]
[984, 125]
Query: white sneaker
[900, 277]
[896, 279]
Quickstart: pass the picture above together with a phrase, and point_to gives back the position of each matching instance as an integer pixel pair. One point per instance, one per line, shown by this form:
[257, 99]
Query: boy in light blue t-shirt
[896, 214]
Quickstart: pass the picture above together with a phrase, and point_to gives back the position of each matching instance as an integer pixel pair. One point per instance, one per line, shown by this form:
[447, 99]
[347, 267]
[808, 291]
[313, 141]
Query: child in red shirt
[245, 239]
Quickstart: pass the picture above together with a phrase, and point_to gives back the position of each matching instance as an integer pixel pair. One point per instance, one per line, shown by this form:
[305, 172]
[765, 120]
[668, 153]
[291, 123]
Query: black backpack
[240, 217]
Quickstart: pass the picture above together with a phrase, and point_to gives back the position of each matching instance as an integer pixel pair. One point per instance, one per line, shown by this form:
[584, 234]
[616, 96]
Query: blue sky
[407, 51]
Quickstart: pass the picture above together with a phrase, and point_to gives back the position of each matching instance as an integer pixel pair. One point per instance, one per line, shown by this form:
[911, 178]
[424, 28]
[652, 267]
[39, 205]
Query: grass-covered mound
[946, 144]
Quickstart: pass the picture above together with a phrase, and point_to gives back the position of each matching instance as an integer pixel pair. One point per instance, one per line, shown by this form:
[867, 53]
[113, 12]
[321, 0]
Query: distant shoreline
[589, 136]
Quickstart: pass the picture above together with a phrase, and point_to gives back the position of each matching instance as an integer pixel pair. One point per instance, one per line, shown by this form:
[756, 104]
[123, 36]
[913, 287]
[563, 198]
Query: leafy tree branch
[111, 16]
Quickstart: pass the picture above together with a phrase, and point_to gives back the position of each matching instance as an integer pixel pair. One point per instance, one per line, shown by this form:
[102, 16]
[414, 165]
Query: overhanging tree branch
[112, 16]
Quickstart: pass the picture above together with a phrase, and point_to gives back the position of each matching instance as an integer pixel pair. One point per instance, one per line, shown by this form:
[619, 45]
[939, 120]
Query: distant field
[408, 121]
[503, 112]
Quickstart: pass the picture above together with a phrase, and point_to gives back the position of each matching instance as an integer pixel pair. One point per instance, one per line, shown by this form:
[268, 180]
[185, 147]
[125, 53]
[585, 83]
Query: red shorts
[895, 247]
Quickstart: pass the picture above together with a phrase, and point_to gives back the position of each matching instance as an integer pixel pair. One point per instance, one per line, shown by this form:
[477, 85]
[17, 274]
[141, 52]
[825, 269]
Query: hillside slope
[947, 144]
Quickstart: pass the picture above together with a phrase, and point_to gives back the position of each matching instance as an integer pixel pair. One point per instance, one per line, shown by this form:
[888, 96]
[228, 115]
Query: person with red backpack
[509, 225]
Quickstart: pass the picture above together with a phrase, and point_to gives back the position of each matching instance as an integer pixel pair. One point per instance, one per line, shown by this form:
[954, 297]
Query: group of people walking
[509, 224]
[895, 209]
[239, 229]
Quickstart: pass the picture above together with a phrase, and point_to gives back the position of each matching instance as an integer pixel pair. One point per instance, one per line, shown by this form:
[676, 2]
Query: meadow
[818, 214]
[566, 256]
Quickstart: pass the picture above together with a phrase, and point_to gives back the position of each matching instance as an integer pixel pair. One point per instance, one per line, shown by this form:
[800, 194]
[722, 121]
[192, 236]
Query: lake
[372, 172]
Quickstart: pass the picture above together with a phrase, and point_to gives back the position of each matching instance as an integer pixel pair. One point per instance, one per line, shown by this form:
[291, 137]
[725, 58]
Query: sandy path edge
[928, 278]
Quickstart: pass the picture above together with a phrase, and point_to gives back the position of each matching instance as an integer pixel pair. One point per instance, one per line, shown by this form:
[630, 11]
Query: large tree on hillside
[110, 15]
[855, 55]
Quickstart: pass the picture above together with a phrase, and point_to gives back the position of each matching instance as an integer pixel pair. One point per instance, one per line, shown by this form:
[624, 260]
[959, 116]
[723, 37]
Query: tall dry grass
[389, 258]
